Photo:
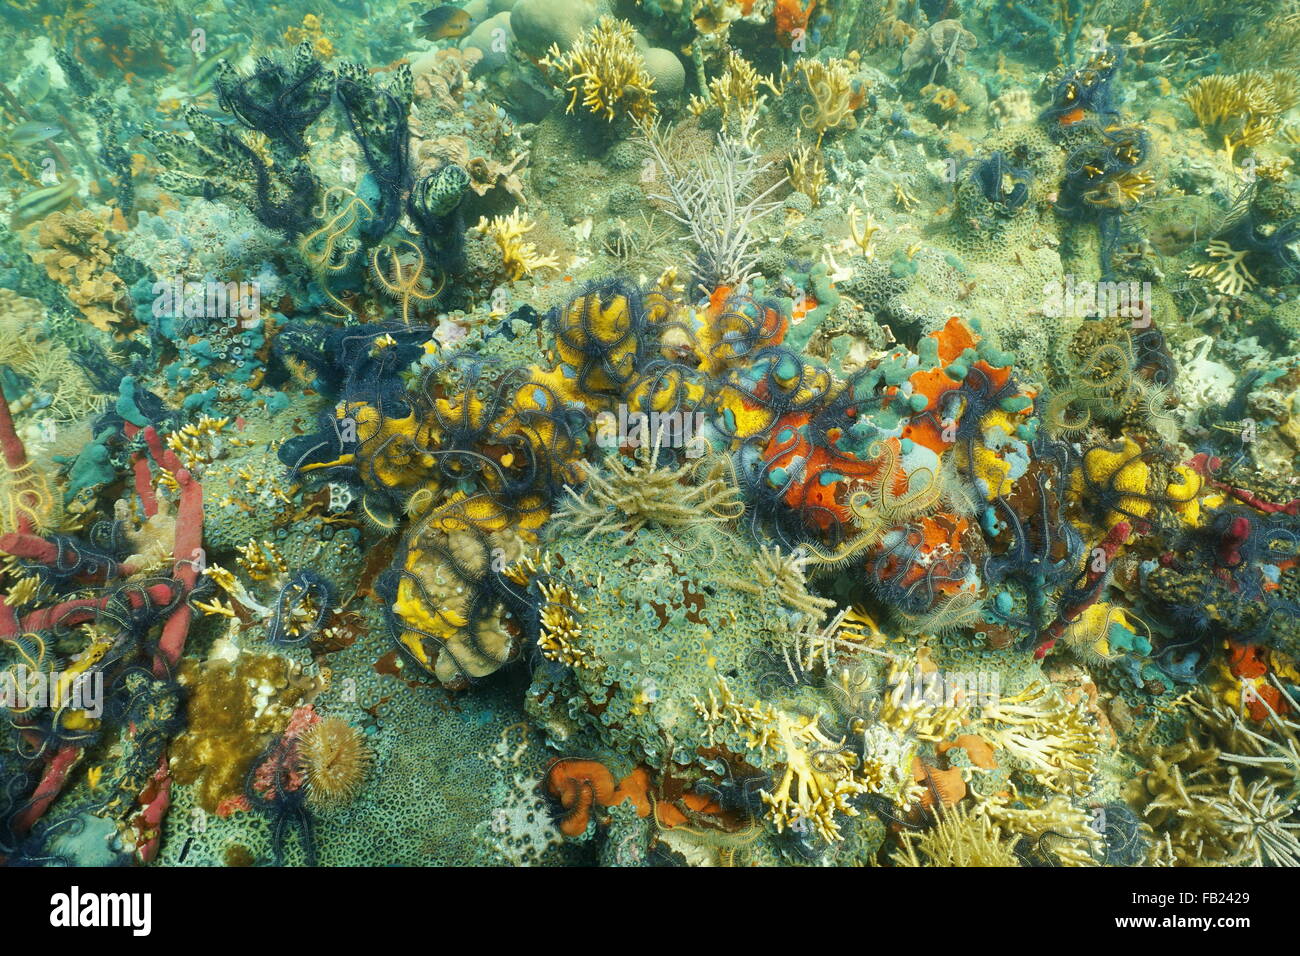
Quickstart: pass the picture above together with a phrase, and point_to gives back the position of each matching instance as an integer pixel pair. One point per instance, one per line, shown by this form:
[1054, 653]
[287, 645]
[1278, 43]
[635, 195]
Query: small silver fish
[33, 131]
[39, 203]
[203, 72]
[37, 85]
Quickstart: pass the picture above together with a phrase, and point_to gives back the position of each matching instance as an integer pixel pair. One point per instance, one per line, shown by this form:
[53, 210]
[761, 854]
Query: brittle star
[403, 283]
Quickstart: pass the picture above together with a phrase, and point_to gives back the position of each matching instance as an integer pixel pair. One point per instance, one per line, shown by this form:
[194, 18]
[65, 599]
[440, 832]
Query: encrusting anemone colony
[658, 433]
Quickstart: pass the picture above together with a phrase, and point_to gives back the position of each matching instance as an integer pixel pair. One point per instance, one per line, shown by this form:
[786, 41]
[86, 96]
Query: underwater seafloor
[679, 432]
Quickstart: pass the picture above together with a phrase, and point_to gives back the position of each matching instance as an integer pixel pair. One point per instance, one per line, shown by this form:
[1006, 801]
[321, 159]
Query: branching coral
[605, 68]
[719, 199]
[1054, 825]
[1227, 270]
[1276, 754]
[1054, 739]
[520, 256]
[863, 237]
[1243, 108]
[1208, 806]
[734, 92]
[818, 779]
[834, 93]
[560, 628]
[958, 838]
[808, 172]
[918, 703]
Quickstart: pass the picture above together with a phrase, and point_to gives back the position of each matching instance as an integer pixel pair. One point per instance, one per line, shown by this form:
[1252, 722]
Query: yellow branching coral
[1211, 807]
[835, 94]
[734, 92]
[1243, 108]
[262, 560]
[520, 256]
[1055, 824]
[863, 237]
[807, 172]
[1255, 131]
[560, 629]
[906, 202]
[959, 838]
[1227, 270]
[1220, 98]
[198, 444]
[819, 779]
[605, 68]
[1121, 192]
[920, 703]
[1053, 738]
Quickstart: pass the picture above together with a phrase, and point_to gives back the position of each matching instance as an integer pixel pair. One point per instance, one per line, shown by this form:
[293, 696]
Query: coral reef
[691, 432]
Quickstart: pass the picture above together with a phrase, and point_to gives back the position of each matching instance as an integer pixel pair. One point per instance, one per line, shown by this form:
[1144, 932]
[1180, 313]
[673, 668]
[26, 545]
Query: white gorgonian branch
[716, 198]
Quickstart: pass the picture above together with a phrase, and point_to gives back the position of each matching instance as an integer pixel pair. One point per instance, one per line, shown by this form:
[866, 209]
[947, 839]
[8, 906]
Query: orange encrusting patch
[953, 339]
[948, 785]
[582, 785]
[789, 16]
[940, 534]
[1249, 664]
[636, 788]
[1071, 117]
[579, 785]
[669, 816]
[978, 749]
[810, 493]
